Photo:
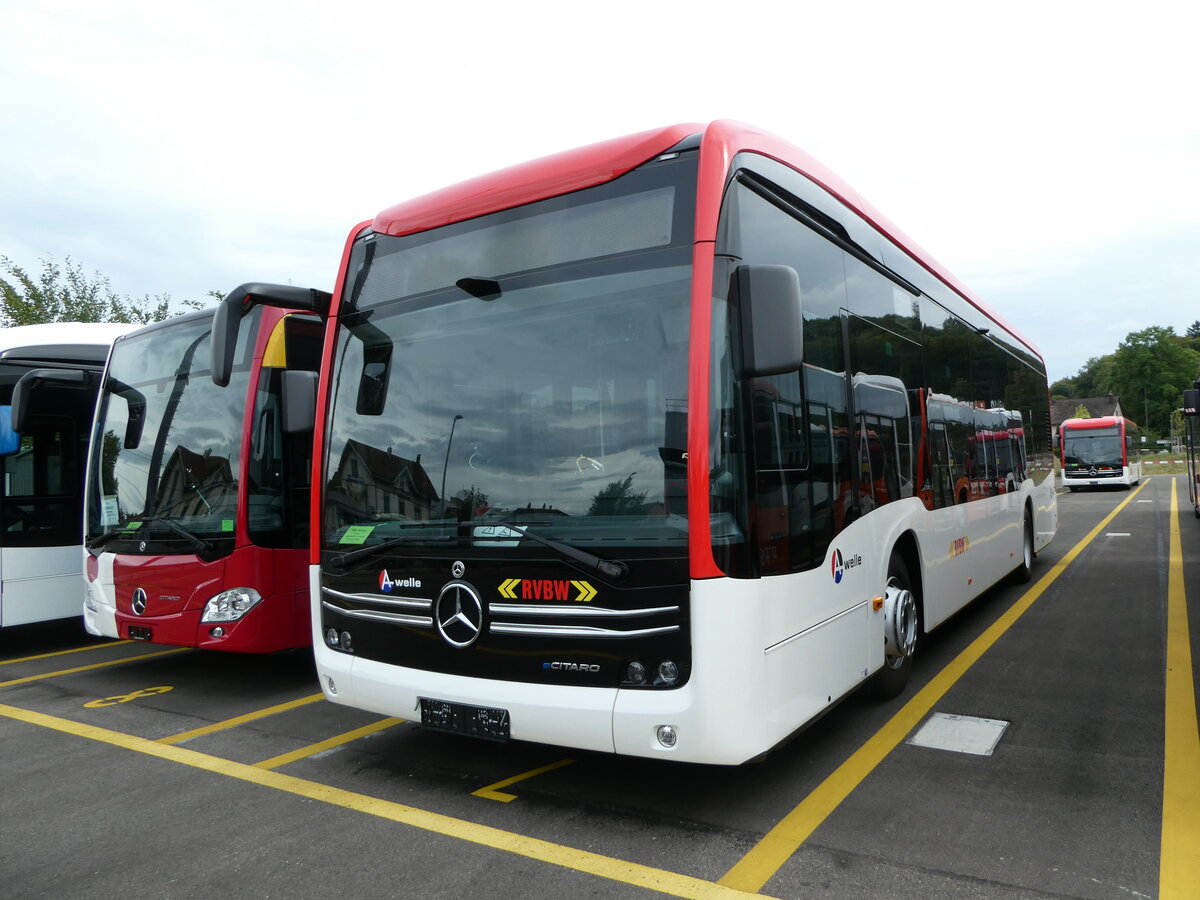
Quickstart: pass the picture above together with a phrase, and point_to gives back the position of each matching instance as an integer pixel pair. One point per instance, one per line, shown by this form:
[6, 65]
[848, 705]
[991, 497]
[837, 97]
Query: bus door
[41, 527]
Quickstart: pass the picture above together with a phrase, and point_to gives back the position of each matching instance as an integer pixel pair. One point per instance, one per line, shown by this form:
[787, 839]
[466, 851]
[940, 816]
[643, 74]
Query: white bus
[1100, 452]
[42, 464]
[652, 448]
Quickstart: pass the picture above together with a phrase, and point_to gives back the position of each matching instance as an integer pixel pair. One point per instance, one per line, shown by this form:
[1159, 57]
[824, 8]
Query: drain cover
[960, 734]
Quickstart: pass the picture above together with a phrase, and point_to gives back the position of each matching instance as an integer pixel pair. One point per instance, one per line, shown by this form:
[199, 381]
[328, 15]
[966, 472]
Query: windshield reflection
[558, 405]
[169, 440]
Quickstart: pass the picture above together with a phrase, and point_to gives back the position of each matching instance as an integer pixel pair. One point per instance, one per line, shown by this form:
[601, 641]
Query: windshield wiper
[350, 557]
[614, 569]
[198, 543]
[101, 539]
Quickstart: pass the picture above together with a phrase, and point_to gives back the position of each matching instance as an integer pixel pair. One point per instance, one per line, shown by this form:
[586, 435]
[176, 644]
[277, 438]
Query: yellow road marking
[126, 698]
[1179, 857]
[491, 793]
[9, 662]
[239, 720]
[776, 847]
[531, 848]
[328, 744]
[100, 665]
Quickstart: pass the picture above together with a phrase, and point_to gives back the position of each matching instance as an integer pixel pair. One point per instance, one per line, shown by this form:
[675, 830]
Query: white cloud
[1029, 147]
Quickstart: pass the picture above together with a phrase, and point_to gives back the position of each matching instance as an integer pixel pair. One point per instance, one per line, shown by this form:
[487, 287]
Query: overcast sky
[1048, 153]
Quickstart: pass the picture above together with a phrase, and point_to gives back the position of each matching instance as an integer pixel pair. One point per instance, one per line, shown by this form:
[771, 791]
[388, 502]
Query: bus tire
[1023, 573]
[892, 677]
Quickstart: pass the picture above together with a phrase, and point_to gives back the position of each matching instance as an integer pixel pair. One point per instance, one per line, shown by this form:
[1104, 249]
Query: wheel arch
[907, 549]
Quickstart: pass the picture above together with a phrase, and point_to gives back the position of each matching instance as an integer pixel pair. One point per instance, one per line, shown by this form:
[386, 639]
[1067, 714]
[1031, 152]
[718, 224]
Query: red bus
[1100, 452]
[629, 449]
[197, 489]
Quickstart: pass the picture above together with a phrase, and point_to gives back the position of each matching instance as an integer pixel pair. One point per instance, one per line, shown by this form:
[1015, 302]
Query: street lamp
[446, 463]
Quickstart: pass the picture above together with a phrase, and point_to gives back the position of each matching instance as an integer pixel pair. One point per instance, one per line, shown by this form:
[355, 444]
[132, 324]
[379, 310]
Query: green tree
[618, 498]
[65, 293]
[1193, 330]
[1149, 373]
[1094, 379]
[1081, 412]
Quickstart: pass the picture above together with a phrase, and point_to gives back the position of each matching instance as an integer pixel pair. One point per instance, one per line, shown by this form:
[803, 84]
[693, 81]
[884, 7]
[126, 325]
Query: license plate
[459, 718]
[138, 633]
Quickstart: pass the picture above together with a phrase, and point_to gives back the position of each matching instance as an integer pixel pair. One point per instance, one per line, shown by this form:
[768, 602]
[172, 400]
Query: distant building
[376, 485]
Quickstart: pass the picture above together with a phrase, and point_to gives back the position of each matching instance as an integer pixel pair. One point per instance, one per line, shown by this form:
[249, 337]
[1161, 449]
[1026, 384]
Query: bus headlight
[231, 605]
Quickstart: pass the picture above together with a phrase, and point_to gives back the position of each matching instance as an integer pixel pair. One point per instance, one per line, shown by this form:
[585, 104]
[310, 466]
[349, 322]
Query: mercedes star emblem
[459, 614]
[139, 601]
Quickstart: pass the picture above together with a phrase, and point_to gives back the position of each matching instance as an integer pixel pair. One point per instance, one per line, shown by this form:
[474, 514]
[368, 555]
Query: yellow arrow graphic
[508, 588]
[586, 591]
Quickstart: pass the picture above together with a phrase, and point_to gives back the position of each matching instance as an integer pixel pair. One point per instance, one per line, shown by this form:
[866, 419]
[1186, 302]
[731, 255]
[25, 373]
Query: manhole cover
[960, 734]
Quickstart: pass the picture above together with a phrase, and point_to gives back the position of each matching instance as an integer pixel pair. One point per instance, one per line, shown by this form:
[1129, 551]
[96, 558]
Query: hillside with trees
[1149, 371]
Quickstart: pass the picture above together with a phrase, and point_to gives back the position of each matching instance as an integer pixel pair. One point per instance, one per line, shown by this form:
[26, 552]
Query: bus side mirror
[1191, 402]
[135, 420]
[376, 366]
[299, 401]
[35, 378]
[227, 318]
[772, 319]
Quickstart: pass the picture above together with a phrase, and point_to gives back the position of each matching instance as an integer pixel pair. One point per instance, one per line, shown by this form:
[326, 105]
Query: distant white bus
[1099, 452]
[42, 464]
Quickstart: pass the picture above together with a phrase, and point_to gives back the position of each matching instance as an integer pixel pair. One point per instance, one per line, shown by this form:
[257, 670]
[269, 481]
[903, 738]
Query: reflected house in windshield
[196, 484]
[372, 484]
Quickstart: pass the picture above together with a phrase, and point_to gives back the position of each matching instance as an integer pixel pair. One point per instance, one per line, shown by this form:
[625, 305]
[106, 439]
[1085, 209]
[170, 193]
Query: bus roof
[1096, 422]
[595, 164]
[61, 341]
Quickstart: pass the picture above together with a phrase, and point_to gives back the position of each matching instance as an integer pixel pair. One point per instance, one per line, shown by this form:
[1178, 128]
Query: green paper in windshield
[356, 534]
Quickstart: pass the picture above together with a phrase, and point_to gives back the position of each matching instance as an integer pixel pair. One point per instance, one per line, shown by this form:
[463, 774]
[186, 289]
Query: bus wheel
[899, 631]
[1023, 573]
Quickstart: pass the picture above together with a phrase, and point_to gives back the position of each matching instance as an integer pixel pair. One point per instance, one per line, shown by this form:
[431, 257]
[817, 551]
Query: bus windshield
[168, 445]
[1092, 447]
[527, 369]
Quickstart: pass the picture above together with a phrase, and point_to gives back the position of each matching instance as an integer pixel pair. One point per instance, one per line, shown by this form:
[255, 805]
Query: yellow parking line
[606, 867]
[239, 720]
[766, 858]
[9, 662]
[1179, 858]
[491, 793]
[99, 665]
[321, 746]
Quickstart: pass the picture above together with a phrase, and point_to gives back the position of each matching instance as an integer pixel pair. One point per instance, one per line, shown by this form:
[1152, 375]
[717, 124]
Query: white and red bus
[1100, 452]
[1191, 440]
[48, 379]
[196, 528]
[634, 449]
